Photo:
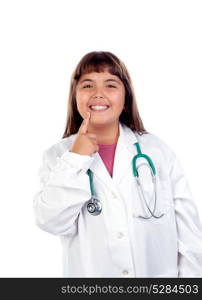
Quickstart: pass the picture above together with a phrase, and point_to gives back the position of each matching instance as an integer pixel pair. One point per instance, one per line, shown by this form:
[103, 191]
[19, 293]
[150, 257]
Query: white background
[41, 43]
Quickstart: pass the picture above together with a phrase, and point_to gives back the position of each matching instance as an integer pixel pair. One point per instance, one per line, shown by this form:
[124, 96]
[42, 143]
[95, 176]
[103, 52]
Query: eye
[86, 86]
[112, 86]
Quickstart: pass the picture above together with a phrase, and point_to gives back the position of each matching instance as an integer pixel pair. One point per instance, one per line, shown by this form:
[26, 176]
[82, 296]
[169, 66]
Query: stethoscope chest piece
[94, 206]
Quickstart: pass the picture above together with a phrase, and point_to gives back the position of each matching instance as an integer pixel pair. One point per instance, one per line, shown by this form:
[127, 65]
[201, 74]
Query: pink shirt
[107, 153]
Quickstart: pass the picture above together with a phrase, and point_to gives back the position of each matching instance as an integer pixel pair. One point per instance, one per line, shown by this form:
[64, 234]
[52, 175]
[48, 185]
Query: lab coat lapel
[125, 151]
[98, 168]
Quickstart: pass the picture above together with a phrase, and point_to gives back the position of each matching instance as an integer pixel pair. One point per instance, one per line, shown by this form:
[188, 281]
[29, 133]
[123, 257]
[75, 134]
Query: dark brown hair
[99, 61]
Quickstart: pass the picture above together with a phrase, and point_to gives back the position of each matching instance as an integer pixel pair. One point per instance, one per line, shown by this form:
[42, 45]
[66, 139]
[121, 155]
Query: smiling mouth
[99, 108]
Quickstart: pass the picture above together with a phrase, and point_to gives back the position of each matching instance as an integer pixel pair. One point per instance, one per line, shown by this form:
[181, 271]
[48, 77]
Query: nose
[98, 93]
[97, 97]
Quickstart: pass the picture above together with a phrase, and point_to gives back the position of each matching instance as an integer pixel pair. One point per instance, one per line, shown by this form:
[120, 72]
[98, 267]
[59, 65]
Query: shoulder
[153, 140]
[150, 143]
[161, 153]
[155, 145]
[56, 150]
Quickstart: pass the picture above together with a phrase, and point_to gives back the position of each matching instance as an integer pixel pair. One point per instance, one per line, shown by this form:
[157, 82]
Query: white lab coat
[117, 243]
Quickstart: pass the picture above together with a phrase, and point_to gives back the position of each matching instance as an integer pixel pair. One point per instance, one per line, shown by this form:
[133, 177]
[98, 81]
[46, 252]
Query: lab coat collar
[125, 151]
[127, 137]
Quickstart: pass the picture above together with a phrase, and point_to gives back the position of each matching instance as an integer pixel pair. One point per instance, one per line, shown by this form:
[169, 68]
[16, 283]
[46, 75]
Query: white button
[120, 235]
[114, 195]
[125, 272]
[133, 215]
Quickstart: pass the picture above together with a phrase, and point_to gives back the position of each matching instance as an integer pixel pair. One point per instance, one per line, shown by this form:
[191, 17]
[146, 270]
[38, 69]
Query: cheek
[81, 101]
[118, 102]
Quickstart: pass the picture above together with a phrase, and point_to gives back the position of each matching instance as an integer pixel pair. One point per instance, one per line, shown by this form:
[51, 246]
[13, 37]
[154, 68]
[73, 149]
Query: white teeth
[98, 107]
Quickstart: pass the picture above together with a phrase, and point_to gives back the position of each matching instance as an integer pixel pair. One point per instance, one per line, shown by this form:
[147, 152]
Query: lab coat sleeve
[189, 228]
[64, 190]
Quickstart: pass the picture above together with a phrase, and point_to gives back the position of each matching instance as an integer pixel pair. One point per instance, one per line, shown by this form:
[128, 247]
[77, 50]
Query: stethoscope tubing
[94, 206]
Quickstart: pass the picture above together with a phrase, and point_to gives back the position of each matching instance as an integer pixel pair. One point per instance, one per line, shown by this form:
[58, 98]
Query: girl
[116, 194]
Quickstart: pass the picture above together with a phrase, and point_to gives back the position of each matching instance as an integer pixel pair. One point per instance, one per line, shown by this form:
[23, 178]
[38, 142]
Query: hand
[85, 143]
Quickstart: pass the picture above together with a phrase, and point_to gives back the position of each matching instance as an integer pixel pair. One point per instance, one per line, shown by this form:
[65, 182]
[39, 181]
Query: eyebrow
[110, 79]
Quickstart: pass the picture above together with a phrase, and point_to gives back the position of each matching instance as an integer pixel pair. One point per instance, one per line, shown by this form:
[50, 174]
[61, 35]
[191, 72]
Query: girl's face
[103, 94]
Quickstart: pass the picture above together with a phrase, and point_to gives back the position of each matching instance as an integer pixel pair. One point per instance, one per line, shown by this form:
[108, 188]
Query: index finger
[84, 125]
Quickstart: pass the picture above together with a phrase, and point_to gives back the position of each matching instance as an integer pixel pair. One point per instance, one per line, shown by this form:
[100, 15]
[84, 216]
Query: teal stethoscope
[94, 206]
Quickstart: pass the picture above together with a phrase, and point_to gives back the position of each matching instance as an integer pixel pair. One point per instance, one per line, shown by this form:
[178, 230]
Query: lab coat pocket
[154, 195]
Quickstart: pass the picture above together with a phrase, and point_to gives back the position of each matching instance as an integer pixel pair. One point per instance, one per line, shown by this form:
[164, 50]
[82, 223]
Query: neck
[105, 135]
